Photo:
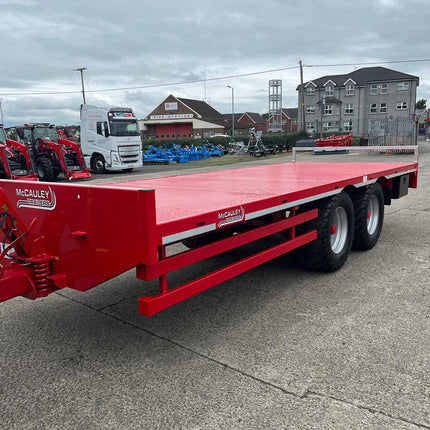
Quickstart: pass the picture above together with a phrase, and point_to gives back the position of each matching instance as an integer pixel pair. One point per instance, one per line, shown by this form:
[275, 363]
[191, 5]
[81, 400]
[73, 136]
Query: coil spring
[41, 272]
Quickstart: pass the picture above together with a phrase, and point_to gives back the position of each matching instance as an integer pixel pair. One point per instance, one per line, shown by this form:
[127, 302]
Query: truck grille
[129, 154]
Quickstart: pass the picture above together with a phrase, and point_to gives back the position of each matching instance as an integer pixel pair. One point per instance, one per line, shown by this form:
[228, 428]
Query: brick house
[244, 121]
[179, 118]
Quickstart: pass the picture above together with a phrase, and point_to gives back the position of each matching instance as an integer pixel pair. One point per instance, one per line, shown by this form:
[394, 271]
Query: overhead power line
[141, 87]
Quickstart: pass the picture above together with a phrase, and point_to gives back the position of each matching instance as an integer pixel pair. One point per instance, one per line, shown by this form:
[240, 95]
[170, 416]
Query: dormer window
[329, 90]
[310, 91]
[349, 89]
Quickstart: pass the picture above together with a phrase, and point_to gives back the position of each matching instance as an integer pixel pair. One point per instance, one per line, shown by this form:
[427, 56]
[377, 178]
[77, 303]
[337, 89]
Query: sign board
[173, 116]
[171, 106]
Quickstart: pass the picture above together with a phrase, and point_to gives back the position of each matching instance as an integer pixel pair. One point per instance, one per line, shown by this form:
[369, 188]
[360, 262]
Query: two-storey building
[348, 102]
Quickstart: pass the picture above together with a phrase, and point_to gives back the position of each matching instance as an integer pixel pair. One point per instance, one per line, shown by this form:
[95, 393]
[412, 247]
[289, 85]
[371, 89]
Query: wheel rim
[339, 230]
[373, 214]
[99, 165]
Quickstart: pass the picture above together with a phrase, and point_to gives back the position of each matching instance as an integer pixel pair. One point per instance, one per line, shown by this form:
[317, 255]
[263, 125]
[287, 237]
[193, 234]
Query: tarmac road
[277, 347]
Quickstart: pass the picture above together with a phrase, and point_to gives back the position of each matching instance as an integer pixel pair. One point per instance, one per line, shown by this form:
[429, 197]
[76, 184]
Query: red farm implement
[78, 236]
[50, 154]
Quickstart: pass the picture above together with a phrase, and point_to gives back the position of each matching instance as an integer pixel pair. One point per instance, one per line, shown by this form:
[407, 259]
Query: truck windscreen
[2, 135]
[124, 128]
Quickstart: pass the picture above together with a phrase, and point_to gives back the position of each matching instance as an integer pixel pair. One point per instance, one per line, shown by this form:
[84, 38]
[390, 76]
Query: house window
[402, 86]
[327, 126]
[347, 126]
[295, 121]
[383, 108]
[310, 109]
[401, 105]
[310, 127]
[349, 90]
[328, 109]
[374, 89]
[329, 90]
[373, 108]
[384, 88]
[349, 109]
[310, 91]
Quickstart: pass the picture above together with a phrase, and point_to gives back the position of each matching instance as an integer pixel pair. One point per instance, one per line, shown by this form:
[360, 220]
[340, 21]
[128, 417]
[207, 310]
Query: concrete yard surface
[277, 347]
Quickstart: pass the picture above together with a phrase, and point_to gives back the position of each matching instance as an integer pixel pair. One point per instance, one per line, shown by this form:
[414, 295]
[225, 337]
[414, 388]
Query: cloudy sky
[138, 52]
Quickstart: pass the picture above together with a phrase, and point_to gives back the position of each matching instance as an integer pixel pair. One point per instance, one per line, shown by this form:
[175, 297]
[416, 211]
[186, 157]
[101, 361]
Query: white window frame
[349, 109]
[310, 90]
[383, 108]
[373, 108]
[349, 89]
[310, 127]
[328, 109]
[329, 90]
[384, 88]
[328, 126]
[347, 125]
[310, 109]
[373, 89]
[402, 86]
[401, 105]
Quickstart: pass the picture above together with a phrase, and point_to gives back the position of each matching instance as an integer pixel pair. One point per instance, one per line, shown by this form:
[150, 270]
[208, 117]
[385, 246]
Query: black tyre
[45, 169]
[98, 164]
[335, 228]
[369, 217]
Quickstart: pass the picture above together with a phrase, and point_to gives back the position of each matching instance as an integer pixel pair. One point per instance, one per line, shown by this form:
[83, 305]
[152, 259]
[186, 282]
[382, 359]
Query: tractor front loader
[50, 154]
[15, 162]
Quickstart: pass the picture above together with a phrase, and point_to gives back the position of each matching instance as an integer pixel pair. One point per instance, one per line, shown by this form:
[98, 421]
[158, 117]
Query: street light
[82, 80]
[232, 110]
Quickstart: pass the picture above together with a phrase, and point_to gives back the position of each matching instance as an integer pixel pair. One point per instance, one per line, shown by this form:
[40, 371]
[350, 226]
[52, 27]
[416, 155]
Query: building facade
[179, 118]
[351, 102]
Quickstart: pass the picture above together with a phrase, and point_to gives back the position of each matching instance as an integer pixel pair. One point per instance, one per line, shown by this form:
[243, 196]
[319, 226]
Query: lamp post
[232, 110]
[82, 80]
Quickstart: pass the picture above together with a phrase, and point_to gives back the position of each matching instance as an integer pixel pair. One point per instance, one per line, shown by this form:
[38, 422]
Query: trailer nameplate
[231, 216]
[44, 199]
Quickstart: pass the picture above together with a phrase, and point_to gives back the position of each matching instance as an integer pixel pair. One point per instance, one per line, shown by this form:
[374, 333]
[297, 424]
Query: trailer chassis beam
[149, 305]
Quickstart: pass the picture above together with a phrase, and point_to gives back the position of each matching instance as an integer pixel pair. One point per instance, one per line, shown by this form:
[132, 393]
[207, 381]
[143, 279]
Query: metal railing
[374, 149]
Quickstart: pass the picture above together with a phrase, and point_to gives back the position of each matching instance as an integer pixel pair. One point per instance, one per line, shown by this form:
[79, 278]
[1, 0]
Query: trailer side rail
[380, 149]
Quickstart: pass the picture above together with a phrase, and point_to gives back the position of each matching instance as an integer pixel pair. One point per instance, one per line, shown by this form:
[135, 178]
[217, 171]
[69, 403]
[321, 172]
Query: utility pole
[1, 112]
[232, 110]
[302, 99]
[82, 80]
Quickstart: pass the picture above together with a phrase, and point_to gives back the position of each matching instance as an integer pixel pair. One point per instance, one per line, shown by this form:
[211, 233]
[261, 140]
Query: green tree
[421, 104]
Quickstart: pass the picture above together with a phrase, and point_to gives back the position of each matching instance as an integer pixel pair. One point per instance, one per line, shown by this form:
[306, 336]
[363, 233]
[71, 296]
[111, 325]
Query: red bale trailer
[78, 236]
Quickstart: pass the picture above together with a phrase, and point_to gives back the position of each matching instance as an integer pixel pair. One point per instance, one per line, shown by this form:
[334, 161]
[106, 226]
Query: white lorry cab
[110, 138]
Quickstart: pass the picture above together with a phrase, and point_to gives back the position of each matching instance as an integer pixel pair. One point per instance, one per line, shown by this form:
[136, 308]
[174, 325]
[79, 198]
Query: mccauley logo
[230, 216]
[36, 199]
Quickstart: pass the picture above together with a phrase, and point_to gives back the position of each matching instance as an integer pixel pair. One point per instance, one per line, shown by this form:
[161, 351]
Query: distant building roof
[362, 77]
[203, 109]
[291, 113]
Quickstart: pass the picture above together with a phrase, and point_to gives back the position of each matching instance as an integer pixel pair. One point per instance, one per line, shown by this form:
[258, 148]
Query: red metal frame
[50, 148]
[78, 236]
[19, 147]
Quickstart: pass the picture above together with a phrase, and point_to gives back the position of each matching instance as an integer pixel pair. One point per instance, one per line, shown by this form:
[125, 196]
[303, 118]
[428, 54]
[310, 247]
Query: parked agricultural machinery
[50, 154]
[15, 162]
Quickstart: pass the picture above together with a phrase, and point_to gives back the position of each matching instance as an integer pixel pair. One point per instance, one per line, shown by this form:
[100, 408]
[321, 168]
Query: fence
[392, 132]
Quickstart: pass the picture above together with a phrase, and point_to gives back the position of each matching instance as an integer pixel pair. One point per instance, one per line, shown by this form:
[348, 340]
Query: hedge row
[268, 140]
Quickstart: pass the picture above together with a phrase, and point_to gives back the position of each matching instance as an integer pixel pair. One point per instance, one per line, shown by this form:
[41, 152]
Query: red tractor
[51, 154]
[15, 162]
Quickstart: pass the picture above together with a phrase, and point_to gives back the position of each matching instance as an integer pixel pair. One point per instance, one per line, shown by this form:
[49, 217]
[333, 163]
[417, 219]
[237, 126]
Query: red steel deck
[201, 198]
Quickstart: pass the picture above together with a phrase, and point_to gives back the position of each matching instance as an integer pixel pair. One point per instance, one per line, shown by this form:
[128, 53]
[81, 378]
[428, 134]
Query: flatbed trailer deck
[78, 236]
